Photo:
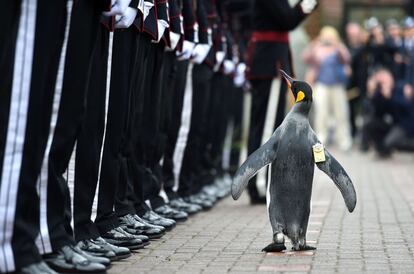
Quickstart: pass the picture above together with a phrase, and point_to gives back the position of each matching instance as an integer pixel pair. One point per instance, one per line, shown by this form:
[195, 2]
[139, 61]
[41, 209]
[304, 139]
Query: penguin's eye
[300, 96]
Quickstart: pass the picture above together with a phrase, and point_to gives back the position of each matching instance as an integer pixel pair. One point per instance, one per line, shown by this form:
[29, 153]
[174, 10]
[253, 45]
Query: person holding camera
[390, 124]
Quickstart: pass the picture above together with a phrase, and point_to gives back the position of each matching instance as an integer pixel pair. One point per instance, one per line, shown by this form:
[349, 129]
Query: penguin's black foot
[274, 247]
[304, 248]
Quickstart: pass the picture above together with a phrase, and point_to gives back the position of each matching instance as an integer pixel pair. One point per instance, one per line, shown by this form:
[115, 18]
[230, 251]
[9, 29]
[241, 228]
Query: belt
[270, 36]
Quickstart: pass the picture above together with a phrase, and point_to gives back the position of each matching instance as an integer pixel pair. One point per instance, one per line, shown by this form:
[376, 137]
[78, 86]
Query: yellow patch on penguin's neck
[300, 96]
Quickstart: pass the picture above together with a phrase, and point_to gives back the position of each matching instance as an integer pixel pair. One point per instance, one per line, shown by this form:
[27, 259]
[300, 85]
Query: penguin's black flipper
[336, 172]
[263, 156]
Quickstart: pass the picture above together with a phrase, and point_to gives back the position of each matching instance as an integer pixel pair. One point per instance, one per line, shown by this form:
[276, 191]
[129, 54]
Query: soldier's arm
[188, 20]
[283, 12]
[202, 22]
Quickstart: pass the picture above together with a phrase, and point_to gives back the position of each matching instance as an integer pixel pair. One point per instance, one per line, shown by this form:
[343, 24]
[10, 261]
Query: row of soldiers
[141, 94]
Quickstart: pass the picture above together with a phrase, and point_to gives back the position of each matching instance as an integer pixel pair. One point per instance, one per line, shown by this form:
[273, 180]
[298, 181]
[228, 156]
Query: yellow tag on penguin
[318, 153]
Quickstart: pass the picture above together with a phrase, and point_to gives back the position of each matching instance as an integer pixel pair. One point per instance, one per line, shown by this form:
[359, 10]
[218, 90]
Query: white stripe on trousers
[268, 129]
[108, 88]
[182, 138]
[16, 130]
[247, 106]
[43, 239]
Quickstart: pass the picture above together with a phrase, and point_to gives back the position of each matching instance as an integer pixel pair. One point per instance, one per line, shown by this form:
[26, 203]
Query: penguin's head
[301, 90]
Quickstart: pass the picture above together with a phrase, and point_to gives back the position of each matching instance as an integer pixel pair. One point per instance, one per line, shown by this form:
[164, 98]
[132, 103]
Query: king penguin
[292, 151]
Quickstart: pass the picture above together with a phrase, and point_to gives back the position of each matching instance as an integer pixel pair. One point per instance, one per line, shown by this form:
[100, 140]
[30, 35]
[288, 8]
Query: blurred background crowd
[364, 84]
[359, 57]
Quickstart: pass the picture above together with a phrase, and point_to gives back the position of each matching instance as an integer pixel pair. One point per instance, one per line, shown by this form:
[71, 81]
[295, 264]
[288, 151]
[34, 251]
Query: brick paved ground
[377, 238]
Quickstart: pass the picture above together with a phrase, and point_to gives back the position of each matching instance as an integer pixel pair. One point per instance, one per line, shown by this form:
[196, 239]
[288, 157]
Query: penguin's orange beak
[289, 80]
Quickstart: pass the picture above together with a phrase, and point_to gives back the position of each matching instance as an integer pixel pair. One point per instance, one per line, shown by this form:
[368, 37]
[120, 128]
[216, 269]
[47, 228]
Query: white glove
[126, 20]
[240, 77]
[147, 7]
[220, 55]
[228, 67]
[187, 51]
[200, 53]
[118, 7]
[161, 25]
[141, 6]
[308, 6]
[174, 39]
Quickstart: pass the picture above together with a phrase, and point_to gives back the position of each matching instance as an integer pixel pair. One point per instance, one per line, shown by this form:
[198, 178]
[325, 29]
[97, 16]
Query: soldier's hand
[126, 20]
[308, 5]
[147, 7]
[174, 39]
[187, 50]
[118, 7]
[161, 26]
[220, 55]
[228, 67]
[200, 53]
[240, 75]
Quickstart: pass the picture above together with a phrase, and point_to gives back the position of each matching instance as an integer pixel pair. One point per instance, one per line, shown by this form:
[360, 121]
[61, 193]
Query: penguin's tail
[257, 160]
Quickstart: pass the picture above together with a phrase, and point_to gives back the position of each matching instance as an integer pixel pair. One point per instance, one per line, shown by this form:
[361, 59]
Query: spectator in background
[394, 40]
[376, 53]
[379, 53]
[357, 82]
[391, 121]
[393, 33]
[408, 49]
[329, 69]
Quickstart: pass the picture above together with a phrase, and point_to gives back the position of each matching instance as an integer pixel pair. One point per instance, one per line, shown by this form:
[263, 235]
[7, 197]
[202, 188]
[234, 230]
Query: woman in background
[329, 59]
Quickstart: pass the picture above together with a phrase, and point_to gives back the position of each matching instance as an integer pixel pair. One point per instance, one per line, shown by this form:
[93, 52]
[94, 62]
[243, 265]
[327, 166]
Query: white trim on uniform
[107, 93]
[247, 108]
[182, 138]
[16, 130]
[268, 128]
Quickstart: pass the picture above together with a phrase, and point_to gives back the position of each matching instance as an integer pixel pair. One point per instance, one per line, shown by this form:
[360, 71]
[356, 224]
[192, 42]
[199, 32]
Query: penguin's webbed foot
[304, 248]
[274, 247]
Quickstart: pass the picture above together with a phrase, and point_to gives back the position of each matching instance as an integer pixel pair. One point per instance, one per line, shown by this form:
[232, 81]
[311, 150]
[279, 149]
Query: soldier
[181, 109]
[268, 52]
[201, 76]
[30, 48]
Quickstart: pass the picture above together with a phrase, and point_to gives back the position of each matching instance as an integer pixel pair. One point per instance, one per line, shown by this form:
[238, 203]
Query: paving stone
[378, 237]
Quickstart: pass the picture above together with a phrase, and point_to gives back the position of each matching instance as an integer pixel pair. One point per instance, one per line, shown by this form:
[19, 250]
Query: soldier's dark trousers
[260, 96]
[129, 194]
[31, 40]
[168, 83]
[151, 140]
[83, 32]
[124, 54]
[89, 143]
[219, 112]
[236, 118]
[177, 94]
[190, 178]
